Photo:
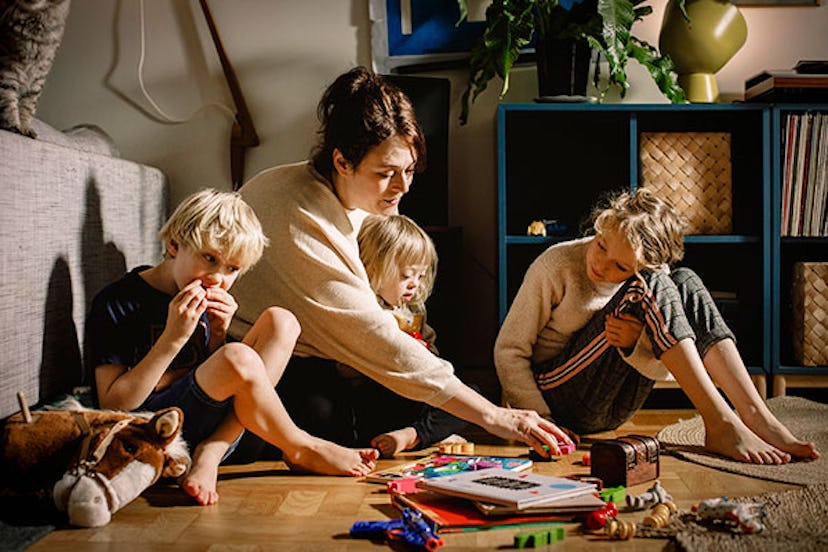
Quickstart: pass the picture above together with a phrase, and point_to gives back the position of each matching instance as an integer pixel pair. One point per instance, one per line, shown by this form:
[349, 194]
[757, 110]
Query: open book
[499, 486]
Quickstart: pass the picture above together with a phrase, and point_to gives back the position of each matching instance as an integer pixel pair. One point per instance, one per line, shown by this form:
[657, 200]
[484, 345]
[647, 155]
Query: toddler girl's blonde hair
[389, 243]
[651, 225]
[222, 221]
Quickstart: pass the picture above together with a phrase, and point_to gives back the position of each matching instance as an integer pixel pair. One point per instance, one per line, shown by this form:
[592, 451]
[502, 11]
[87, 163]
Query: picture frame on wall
[781, 3]
[425, 34]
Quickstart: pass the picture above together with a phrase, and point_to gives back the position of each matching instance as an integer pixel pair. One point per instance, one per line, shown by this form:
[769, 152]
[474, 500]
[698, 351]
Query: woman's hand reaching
[529, 427]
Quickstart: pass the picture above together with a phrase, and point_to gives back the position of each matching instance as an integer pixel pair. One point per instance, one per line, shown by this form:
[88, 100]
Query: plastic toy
[586, 459]
[565, 448]
[411, 527]
[746, 516]
[614, 494]
[534, 539]
[652, 496]
[599, 518]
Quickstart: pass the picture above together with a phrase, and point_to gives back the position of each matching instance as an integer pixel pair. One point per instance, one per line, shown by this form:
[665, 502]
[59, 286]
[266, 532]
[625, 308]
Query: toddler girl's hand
[623, 330]
[184, 312]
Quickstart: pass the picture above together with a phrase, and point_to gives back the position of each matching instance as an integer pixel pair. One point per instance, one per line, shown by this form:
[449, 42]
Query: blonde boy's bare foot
[200, 482]
[767, 427]
[734, 440]
[327, 458]
[394, 442]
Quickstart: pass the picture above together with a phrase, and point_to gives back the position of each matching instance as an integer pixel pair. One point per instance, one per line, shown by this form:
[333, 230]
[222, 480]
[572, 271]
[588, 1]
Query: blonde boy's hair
[651, 225]
[387, 243]
[222, 221]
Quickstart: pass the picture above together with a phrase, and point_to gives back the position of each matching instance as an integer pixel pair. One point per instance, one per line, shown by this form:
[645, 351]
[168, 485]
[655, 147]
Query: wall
[285, 53]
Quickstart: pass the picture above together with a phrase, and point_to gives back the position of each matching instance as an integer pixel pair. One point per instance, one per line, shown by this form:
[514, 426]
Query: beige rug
[794, 521]
[808, 420]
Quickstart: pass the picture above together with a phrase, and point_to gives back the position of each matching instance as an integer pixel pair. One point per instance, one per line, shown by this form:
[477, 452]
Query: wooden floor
[264, 507]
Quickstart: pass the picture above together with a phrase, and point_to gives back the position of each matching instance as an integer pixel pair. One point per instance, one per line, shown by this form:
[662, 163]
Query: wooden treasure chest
[627, 460]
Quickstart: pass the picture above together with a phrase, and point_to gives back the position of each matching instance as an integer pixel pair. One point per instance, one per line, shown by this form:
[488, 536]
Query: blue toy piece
[534, 539]
[411, 527]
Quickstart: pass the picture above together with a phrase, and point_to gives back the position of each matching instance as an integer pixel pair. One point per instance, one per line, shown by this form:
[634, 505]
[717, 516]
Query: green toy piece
[534, 539]
[614, 494]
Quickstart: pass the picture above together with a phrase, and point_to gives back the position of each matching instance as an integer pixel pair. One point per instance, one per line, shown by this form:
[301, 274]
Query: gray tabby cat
[30, 33]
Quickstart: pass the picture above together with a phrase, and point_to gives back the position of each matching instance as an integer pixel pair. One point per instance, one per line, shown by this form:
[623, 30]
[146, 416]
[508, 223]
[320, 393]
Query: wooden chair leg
[761, 384]
[779, 385]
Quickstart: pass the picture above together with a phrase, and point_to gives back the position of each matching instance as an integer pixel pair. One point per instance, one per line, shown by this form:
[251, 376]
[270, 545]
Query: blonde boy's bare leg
[200, 482]
[274, 336]
[725, 366]
[725, 433]
[236, 370]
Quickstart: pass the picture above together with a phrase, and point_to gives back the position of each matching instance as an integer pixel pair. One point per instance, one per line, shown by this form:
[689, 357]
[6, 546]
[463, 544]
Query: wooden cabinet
[555, 161]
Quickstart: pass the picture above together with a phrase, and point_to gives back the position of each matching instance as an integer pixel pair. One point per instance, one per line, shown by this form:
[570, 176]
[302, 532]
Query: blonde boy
[158, 337]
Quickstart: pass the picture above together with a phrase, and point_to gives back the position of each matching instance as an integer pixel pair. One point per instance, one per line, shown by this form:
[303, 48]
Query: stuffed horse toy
[92, 462]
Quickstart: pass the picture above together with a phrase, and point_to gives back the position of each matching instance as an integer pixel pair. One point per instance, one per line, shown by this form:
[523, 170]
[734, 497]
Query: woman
[370, 147]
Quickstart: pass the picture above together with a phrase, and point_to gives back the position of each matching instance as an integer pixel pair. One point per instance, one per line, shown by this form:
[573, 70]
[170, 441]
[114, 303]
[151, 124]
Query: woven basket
[810, 313]
[692, 170]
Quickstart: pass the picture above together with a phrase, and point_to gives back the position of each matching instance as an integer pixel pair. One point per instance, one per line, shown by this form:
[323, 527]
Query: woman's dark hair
[357, 112]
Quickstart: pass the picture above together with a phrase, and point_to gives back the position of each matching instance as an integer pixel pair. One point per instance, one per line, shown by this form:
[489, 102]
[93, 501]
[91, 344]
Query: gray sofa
[74, 216]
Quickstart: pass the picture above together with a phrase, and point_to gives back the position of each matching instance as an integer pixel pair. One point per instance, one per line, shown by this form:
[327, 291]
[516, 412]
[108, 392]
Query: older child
[573, 348]
[157, 338]
[401, 264]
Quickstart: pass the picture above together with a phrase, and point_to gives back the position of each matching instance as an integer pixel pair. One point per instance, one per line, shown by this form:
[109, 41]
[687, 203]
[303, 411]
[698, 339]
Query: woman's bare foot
[733, 439]
[394, 442]
[200, 482]
[767, 427]
[327, 458]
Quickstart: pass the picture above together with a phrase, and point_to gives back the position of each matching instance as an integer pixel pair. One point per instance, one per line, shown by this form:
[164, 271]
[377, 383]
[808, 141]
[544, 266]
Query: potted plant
[574, 27]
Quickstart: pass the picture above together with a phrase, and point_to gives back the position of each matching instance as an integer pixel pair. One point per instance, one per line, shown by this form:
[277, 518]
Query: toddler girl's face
[401, 290]
[610, 258]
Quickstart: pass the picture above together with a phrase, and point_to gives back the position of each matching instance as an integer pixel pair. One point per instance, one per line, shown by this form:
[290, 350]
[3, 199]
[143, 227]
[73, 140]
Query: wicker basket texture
[693, 171]
[810, 313]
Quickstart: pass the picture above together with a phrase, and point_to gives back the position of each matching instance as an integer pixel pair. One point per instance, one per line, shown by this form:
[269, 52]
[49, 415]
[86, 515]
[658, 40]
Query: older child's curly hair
[388, 243]
[217, 220]
[650, 224]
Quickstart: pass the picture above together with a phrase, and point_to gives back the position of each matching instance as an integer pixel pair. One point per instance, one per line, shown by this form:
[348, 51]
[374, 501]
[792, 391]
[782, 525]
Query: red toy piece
[597, 519]
[585, 459]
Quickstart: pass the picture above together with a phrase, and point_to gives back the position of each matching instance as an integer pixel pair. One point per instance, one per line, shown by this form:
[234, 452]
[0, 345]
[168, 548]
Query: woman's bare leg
[725, 366]
[725, 433]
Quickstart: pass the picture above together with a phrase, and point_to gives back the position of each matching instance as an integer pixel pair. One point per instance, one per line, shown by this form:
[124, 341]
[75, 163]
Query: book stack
[805, 175]
[498, 497]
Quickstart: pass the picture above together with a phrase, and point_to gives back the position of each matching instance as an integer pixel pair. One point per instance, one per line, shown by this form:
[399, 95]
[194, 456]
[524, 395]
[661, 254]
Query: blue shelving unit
[785, 251]
[555, 160]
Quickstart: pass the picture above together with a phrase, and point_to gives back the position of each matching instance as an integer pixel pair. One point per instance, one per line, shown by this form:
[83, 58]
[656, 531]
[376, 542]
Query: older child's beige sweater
[312, 268]
[555, 300]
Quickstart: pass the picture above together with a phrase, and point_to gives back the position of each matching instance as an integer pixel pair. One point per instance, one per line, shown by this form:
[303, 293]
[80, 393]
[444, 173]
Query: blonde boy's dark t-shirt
[127, 317]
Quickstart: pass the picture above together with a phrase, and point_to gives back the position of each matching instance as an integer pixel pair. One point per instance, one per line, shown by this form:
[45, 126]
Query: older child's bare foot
[324, 457]
[200, 482]
[733, 439]
[767, 427]
[394, 442]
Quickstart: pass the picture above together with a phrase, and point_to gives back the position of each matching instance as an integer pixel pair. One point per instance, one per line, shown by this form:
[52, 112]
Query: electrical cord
[168, 118]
